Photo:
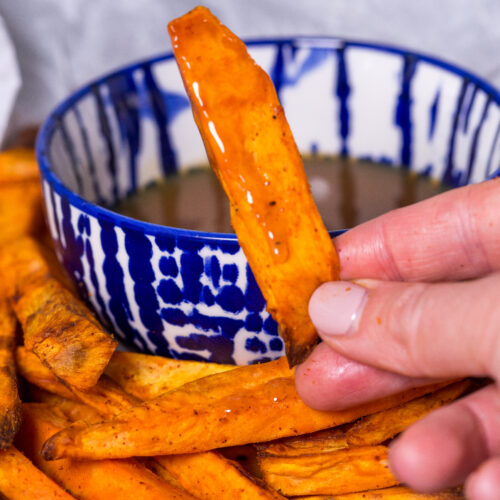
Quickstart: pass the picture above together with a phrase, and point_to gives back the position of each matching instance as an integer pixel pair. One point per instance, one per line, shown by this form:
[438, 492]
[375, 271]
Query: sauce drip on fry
[269, 215]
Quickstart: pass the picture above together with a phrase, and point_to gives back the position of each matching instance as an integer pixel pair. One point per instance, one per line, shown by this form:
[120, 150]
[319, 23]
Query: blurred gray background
[61, 44]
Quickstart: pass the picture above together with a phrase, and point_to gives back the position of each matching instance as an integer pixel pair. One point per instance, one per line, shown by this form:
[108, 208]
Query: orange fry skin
[21, 207]
[57, 326]
[35, 372]
[18, 165]
[146, 376]
[106, 399]
[246, 405]
[332, 473]
[104, 480]
[10, 404]
[252, 151]
[221, 478]
[21, 480]
[21, 210]
[393, 493]
[369, 430]
[379, 427]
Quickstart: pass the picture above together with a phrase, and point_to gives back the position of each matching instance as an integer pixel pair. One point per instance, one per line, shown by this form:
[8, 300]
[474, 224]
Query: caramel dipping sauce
[346, 191]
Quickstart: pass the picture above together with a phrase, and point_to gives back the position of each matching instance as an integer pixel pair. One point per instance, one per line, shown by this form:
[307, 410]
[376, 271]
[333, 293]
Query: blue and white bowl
[189, 294]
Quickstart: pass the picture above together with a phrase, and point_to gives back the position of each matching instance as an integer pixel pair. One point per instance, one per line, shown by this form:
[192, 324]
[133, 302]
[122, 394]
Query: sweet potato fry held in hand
[251, 148]
[57, 326]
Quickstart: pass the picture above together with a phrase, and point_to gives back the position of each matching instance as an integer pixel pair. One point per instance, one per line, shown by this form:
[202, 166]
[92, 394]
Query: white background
[61, 44]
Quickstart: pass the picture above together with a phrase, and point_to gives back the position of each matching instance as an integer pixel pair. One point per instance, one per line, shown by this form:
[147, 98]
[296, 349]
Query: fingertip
[413, 463]
[437, 452]
[484, 483]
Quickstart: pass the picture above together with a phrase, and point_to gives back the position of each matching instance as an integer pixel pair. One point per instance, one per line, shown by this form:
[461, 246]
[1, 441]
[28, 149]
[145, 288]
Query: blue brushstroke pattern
[403, 109]
[433, 115]
[162, 118]
[70, 150]
[105, 129]
[489, 170]
[342, 91]
[125, 102]
[449, 177]
[276, 72]
[73, 251]
[142, 273]
[468, 109]
[119, 305]
[93, 279]
[88, 156]
[475, 139]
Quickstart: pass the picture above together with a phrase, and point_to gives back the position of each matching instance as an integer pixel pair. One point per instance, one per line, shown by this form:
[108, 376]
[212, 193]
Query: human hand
[413, 318]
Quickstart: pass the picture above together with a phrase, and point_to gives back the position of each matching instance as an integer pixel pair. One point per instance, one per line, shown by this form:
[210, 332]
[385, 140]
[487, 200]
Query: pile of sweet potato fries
[84, 421]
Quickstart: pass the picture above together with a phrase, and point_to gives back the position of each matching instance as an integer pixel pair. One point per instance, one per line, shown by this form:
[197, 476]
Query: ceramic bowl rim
[48, 128]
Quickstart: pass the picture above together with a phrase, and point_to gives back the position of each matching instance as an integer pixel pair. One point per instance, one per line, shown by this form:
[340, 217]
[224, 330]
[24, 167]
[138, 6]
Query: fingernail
[336, 307]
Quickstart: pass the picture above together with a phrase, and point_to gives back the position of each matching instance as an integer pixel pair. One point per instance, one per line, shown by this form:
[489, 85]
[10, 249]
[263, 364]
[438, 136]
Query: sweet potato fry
[18, 165]
[245, 405]
[377, 428]
[245, 455]
[10, 404]
[70, 409]
[106, 399]
[57, 327]
[21, 480]
[393, 493]
[141, 375]
[333, 473]
[35, 372]
[146, 377]
[221, 478]
[370, 430]
[86, 479]
[252, 150]
[21, 210]
[323, 441]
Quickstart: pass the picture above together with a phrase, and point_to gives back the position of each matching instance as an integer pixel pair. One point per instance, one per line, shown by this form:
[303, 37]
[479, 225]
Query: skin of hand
[419, 301]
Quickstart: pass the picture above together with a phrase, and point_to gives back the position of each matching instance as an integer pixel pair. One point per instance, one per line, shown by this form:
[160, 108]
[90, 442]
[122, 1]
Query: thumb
[413, 329]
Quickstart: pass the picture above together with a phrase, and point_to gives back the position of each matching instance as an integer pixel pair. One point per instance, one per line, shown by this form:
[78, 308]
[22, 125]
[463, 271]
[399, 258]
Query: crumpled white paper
[10, 78]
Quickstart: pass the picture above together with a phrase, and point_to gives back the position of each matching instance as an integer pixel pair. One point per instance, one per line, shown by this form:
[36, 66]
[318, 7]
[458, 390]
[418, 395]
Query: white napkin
[10, 78]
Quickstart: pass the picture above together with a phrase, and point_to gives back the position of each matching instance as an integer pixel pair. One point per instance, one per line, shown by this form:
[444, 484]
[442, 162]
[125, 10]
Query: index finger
[452, 236]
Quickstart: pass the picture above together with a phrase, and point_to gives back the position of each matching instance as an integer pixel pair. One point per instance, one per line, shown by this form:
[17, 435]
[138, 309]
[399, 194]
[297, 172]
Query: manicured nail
[335, 307]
